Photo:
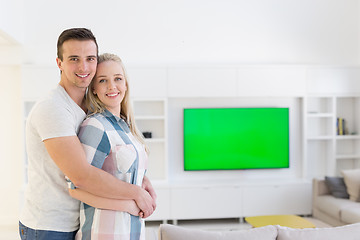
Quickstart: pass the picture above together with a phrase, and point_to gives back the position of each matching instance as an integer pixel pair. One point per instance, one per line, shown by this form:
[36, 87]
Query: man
[54, 149]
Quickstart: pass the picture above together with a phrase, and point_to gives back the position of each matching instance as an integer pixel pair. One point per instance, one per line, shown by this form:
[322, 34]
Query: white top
[48, 205]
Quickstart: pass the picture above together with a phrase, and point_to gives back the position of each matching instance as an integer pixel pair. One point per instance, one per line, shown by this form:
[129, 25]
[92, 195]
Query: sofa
[330, 203]
[271, 232]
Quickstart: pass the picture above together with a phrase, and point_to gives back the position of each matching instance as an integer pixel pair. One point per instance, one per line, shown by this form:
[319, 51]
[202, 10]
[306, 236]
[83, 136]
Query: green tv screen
[236, 138]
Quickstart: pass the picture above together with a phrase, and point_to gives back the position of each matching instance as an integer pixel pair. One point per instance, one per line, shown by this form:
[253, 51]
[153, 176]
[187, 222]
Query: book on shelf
[340, 126]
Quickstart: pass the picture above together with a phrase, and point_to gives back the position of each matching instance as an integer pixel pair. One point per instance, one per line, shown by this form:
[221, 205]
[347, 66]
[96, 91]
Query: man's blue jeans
[31, 234]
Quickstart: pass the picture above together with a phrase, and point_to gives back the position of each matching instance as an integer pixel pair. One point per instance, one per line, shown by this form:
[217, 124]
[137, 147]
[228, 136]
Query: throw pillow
[347, 232]
[337, 187]
[352, 182]
[171, 232]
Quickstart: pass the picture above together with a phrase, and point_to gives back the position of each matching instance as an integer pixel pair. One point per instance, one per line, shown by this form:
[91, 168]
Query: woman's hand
[134, 210]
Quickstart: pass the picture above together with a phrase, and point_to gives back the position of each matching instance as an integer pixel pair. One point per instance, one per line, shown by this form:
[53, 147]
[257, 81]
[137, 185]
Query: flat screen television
[236, 138]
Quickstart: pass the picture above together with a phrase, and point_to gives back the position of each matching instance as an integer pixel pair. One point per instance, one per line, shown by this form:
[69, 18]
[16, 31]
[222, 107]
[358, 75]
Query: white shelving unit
[327, 153]
[319, 133]
[347, 153]
[151, 116]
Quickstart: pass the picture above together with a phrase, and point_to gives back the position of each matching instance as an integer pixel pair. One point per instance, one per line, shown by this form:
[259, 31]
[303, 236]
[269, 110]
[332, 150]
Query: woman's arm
[106, 203]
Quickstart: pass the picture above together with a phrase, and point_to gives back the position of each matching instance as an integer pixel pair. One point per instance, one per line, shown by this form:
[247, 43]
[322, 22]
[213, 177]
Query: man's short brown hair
[80, 34]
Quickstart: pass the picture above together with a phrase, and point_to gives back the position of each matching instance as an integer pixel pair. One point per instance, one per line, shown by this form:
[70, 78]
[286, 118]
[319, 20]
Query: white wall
[202, 31]
[12, 20]
[11, 123]
[11, 143]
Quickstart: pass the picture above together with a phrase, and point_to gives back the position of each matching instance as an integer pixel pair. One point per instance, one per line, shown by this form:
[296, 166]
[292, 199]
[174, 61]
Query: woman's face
[110, 85]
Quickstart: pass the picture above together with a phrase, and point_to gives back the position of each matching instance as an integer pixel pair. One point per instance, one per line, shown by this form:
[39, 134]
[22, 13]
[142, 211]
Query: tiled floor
[11, 232]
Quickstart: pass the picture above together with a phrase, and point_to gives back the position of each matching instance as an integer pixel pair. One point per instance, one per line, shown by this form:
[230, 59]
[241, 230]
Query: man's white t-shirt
[48, 205]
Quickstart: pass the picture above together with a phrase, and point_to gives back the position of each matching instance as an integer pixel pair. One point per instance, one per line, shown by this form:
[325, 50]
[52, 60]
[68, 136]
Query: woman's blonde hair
[94, 104]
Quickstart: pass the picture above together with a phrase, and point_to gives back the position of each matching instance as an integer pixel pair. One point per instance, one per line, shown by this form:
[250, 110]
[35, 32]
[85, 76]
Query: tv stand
[237, 200]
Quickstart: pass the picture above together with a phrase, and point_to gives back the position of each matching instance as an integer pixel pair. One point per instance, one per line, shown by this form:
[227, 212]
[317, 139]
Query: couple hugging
[86, 158]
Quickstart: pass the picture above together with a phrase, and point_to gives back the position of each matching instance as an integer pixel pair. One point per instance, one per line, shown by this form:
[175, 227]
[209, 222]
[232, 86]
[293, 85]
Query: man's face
[78, 66]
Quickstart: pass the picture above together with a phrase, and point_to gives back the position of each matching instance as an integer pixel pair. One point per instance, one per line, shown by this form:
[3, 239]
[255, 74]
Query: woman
[113, 143]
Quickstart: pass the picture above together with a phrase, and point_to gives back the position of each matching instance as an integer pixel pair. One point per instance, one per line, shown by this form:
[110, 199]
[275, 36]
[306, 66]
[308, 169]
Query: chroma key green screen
[236, 138]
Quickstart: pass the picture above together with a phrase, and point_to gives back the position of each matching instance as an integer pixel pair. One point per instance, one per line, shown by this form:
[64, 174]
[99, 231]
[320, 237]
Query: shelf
[149, 107]
[318, 115]
[338, 137]
[347, 137]
[320, 125]
[320, 105]
[348, 156]
[149, 117]
[155, 140]
[314, 138]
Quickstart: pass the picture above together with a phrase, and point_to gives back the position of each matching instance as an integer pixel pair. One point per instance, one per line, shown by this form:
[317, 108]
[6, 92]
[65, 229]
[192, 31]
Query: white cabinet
[199, 202]
[163, 204]
[203, 201]
[151, 117]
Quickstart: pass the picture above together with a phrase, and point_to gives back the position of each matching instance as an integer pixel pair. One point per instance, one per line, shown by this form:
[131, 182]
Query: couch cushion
[337, 187]
[350, 215]
[348, 232]
[333, 206]
[352, 182]
[171, 232]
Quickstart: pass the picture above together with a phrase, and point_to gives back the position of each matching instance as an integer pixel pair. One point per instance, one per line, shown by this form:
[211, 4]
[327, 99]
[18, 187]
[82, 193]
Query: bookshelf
[347, 152]
[150, 116]
[327, 152]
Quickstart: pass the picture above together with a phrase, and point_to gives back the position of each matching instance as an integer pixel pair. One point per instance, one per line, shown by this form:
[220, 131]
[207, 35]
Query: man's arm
[105, 203]
[68, 154]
